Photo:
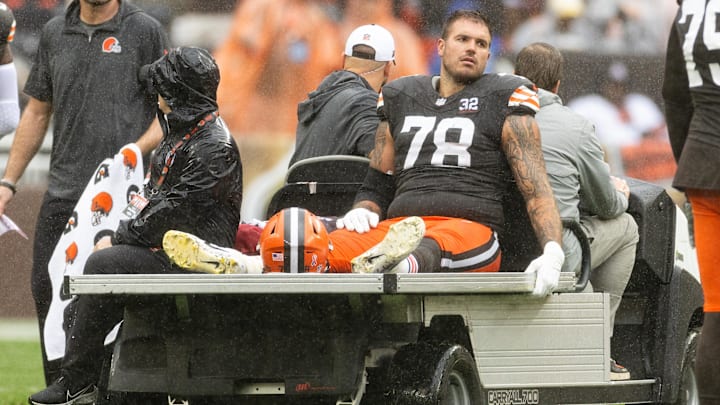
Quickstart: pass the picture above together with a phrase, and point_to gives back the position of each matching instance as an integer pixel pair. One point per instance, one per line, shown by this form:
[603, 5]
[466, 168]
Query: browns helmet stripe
[294, 240]
[294, 230]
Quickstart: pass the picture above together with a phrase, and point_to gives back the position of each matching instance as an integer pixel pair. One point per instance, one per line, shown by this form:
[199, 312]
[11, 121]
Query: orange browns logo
[294, 241]
[130, 161]
[129, 158]
[111, 45]
[101, 206]
[71, 253]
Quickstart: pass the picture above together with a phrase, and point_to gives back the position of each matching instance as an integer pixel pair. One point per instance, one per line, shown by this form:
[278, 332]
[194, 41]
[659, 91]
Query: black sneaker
[61, 392]
[618, 372]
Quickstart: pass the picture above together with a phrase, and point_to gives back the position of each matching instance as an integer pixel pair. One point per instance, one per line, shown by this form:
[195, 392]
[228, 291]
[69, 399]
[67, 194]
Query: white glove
[359, 220]
[547, 267]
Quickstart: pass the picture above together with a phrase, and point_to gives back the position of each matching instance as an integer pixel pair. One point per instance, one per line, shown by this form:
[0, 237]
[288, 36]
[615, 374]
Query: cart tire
[688, 391]
[441, 374]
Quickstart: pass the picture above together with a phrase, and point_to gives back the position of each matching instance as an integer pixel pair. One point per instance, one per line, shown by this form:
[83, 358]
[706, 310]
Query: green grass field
[20, 361]
[20, 371]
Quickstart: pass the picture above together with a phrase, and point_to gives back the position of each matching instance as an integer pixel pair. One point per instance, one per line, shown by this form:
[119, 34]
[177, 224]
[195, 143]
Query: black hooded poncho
[195, 178]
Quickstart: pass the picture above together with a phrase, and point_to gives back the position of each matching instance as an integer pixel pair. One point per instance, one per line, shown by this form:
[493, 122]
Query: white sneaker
[618, 372]
[402, 238]
[192, 253]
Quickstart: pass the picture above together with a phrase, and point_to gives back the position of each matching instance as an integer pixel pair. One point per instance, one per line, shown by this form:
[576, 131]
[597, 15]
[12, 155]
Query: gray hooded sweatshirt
[578, 174]
[338, 118]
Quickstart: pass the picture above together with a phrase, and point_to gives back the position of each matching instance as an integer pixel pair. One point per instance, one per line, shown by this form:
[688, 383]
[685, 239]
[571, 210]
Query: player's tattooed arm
[521, 144]
[379, 179]
[382, 156]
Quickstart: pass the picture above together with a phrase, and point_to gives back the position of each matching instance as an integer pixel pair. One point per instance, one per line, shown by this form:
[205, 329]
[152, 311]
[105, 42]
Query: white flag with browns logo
[97, 213]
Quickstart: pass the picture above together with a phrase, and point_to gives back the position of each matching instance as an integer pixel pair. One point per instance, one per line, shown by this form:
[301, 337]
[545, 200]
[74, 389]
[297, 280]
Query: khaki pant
[612, 250]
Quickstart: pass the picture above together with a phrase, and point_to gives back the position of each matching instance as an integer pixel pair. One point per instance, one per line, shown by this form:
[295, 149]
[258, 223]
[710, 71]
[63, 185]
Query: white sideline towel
[97, 213]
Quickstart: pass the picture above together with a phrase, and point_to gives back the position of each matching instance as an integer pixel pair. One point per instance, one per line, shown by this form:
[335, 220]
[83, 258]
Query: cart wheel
[688, 393]
[441, 374]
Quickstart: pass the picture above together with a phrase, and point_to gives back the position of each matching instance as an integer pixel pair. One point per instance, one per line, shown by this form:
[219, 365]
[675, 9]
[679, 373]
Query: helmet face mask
[294, 241]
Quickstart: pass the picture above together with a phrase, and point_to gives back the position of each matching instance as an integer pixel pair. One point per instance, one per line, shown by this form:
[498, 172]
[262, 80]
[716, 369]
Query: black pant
[708, 358]
[95, 315]
[51, 222]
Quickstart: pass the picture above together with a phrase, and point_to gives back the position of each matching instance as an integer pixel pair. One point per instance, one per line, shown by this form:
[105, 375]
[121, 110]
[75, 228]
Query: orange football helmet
[100, 207]
[294, 241]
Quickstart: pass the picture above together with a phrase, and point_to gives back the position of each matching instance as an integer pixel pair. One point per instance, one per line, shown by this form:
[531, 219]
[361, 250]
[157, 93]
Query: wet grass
[20, 371]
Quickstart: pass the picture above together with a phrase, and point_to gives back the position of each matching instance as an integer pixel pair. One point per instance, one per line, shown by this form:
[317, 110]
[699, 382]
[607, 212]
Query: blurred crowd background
[273, 52]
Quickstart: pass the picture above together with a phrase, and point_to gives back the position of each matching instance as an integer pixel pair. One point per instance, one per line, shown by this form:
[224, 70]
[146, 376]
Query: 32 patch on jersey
[468, 104]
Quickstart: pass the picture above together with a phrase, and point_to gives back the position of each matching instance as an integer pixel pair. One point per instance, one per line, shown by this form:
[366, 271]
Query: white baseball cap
[374, 36]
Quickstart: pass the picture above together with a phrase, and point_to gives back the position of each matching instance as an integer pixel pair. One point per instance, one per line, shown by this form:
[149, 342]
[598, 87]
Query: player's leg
[350, 244]
[402, 238]
[706, 216]
[452, 245]
[460, 246]
[192, 253]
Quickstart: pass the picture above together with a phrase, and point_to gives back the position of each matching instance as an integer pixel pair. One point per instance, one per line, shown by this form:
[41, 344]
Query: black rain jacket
[339, 118]
[202, 190]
